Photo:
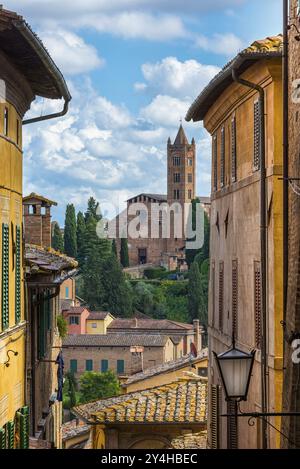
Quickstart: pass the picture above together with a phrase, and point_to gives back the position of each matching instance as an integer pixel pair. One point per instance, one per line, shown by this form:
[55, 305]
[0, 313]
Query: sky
[133, 68]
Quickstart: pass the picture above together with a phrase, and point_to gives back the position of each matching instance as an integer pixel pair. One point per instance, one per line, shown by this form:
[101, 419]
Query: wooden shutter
[257, 136]
[222, 175]
[232, 425]
[22, 428]
[10, 435]
[215, 406]
[233, 149]
[18, 276]
[234, 294]
[213, 273]
[2, 438]
[215, 162]
[104, 365]
[221, 295]
[257, 304]
[5, 276]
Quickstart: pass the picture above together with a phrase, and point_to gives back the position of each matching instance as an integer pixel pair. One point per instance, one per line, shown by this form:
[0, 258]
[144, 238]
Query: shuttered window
[2, 438]
[215, 407]
[89, 365]
[213, 274]
[233, 149]
[215, 161]
[257, 137]
[104, 365]
[221, 295]
[222, 175]
[232, 425]
[257, 304]
[5, 276]
[10, 435]
[18, 276]
[234, 299]
[22, 428]
[120, 366]
[73, 365]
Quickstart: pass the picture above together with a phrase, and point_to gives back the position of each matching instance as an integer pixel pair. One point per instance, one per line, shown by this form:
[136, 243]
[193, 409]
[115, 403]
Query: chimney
[137, 359]
[37, 220]
[197, 335]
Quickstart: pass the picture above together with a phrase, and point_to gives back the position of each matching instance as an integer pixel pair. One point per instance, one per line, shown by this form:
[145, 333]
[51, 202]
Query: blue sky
[133, 68]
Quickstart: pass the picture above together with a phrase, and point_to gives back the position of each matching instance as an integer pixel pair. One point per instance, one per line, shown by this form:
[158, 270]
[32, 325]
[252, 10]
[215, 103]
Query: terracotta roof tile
[115, 340]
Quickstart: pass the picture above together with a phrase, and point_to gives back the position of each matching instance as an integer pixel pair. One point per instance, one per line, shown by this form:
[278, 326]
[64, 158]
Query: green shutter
[10, 431]
[120, 366]
[5, 276]
[73, 365]
[89, 365]
[18, 276]
[42, 331]
[2, 439]
[104, 365]
[22, 418]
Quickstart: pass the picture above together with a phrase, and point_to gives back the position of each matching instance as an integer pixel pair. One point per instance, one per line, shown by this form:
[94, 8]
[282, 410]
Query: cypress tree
[57, 241]
[70, 238]
[81, 234]
[124, 258]
[194, 291]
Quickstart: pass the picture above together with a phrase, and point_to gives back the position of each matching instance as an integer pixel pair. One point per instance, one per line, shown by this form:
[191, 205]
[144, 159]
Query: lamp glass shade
[235, 369]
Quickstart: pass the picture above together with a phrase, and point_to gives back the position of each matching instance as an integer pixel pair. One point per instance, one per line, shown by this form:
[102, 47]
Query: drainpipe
[263, 245]
[49, 116]
[285, 142]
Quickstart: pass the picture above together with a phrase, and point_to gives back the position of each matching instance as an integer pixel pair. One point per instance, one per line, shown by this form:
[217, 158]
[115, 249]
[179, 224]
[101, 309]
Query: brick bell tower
[37, 220]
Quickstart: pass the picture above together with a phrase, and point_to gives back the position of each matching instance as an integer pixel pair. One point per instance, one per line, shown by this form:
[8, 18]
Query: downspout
[285, 142]
[49, 116]
[263, 245]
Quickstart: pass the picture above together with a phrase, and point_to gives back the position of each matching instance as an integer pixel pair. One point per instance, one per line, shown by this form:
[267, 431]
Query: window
[221, 295]
[18, 132]
[190, 177]
[233, 149]
[104, 365]
[6, 121]
[190, 161]
[5, 276]
[257, 304]
[189, 194]
[32, 210]
[215, 407]
[234, 305]
[176, 160]
[213, 274]
[176, 177]
[44, 322]
[67, 292]
[257, 137]
[215, 162]
[120, 366]
[222, 175]
[73, 365]
[74, 320]
[176, 194]
[94, 325]
[89, 365]
[18, 276]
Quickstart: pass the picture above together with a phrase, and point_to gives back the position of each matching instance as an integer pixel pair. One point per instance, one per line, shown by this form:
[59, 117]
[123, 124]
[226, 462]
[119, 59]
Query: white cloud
[172, 77]
[165, 110]
[225, 44]
[70, 52]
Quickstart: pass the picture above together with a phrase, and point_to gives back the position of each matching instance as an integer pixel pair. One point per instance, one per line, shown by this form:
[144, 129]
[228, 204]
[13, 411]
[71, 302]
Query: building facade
[231, 114]
[26, 71]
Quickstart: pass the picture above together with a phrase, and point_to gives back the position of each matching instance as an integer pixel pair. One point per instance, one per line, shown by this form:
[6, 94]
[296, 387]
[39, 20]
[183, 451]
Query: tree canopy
[95, 385]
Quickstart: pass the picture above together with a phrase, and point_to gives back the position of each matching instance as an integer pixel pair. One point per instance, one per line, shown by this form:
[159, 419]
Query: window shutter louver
[215, 402]
[235, 298]
[10, 432]
[2, 438]
[213, 294]
[18, 276]
[257, 304]
[257, 136]
[5, 276]
[232, 426]
[222, 175]
[233, 149]
[221, 295]
[22, 418]
[215, 162]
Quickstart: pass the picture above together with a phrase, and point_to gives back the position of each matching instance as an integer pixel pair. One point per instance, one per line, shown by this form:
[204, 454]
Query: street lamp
[235, 368]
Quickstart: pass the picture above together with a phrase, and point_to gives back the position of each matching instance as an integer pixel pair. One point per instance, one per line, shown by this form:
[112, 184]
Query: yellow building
[97, 322]
[231, 114]
[26, 71]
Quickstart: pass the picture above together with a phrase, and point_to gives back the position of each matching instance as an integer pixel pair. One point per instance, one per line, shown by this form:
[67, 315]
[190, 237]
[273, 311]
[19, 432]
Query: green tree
[194, 291]
[95, 385]
[70, 238]
[114, 248]
[80, 234]
[93, 210]
[57, 241]
[203, 252]
[117, 293]
[70, 388]
[124, 257]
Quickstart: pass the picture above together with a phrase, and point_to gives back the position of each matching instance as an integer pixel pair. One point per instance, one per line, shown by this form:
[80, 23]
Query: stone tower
[37, 220]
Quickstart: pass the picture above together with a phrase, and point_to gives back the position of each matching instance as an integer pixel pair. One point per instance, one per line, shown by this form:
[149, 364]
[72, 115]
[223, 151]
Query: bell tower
[181, 169]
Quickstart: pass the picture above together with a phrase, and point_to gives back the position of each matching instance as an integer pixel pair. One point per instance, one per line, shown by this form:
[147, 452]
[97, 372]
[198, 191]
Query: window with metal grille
[18, 276]
[5, 276]
[257, 304]
[232, 425]
[234, 298]
[257, 136]
[233, 149]
[89, 365]
[104, 365]
[176, 177]
[222, 175]
[221, 295]
[215, 407]
[215, 161]
[176, 160]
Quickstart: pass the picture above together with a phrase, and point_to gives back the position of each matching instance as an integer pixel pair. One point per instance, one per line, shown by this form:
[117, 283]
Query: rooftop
[100, 315]
[115, 340]
[183, 401]
[148, 324]
[47, 260]
[33, 196]
[74, 428]
[166, 367]
[74, 310]
[268, 48]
